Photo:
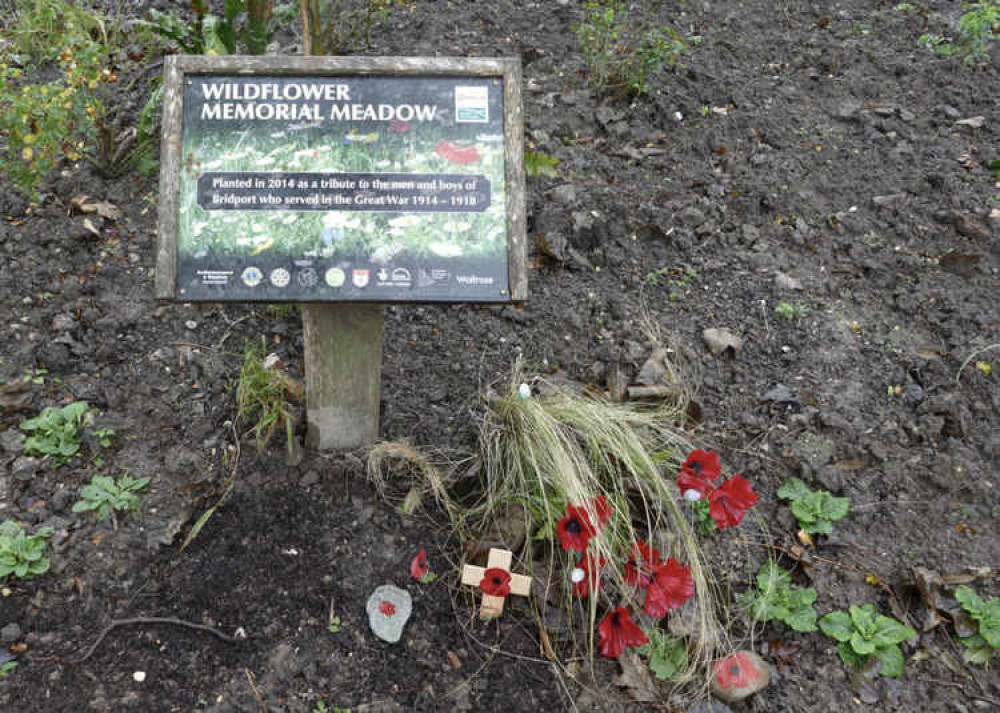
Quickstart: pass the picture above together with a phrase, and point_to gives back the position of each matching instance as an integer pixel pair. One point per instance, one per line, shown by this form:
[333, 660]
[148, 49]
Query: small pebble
[139, 676]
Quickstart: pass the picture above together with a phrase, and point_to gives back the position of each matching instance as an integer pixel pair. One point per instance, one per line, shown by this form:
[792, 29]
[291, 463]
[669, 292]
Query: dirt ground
[814, 156]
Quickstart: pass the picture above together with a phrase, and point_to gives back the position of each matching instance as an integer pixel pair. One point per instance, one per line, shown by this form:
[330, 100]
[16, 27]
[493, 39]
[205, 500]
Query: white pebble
[139, 676]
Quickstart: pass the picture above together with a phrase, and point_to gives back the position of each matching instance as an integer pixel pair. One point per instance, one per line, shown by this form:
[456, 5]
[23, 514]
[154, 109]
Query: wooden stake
[520, 584]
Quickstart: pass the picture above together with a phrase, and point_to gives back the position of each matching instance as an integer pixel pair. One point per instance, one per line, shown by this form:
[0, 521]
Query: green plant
[622, 51]
[21, 554]
[243, 25]
[981, 646]
[789, 311]
[103, 436]
[538, 164]
[653, 277]
[55, 432]
[864, 633]
[977, 29]
[815, 510]
[6, 668]
[666, 654]
[34, 376]
[775, 598]
[338, 27]
[334, 625]
[263, 394]
[107, 496]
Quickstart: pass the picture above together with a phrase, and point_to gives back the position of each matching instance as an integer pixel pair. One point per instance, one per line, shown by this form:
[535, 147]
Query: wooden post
[343, 365]
[520, 585]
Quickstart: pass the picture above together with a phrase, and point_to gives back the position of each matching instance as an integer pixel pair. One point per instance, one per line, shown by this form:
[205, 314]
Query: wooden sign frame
[178, 68]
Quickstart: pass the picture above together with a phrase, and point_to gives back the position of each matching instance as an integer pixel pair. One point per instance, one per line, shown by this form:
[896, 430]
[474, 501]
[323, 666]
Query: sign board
[341, 179]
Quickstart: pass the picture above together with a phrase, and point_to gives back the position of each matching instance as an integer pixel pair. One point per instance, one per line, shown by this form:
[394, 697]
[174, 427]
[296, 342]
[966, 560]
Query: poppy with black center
[617, 631]
[495, 582]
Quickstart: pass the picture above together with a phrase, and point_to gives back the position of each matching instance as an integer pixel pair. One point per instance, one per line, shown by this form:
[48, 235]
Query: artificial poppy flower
[453, 153]
[617, 631]
[575, 530]
[730, 501]
[735, 671]
[641, 564]
[496, 582]
[672, 585]
[698, 474]
[601, 508]
[587, 575]
[418, 567]
[387, 608]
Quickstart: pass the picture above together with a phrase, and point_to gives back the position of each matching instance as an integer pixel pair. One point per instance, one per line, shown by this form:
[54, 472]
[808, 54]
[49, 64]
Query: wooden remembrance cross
[520, 584]
[343, 183]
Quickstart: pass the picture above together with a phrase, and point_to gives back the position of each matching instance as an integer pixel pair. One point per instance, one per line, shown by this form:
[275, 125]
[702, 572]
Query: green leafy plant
[791, 312]
[776, 599]
[977, 29]
[816, 510]
[339, 27]
[55, 432]
[106, 496]
[864, 633]
[538, 164]
[244, 25]
[263, 395]
[21, 555]
[981, 646]
[6, 668]
[667, 655]
[103, 436]
[34, 376]
[622, 50]
[334, 625]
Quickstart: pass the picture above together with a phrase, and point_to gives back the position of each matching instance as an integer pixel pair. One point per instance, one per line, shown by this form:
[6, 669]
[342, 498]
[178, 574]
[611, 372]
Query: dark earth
[808, 153]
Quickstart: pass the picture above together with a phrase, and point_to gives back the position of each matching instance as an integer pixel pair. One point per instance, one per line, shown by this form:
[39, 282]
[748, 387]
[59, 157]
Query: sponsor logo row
[334, 277]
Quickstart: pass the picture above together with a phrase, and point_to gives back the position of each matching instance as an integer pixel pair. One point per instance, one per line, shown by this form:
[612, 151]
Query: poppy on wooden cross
[496, 581]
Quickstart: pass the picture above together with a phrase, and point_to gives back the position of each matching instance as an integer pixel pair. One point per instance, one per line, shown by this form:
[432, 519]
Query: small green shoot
[816, 510]
[864, 633]
[981, 646]
[21, 554]
[977, 29]
[6, 668]
[776, 599]
[538, 164]
[34, 376]
[334, 625]
[55, 432]
[106, 496]
[791, 312]
[103, 436]
[667, 655]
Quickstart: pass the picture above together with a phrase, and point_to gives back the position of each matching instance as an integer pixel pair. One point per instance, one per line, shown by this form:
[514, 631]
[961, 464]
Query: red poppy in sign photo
[672, 585]
[617, 631]
[575, 530]
[418, 567]
[587, 575]
[736, 671]
[496, 582]
[641, 564]
[730, 501]
[453, 153]
[698, 474]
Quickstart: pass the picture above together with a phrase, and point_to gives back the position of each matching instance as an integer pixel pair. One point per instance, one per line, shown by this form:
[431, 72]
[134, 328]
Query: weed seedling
[6, 668]
[864, 633]
[816, 510]
[106, 496]
[667, 655]
[55, 432]
[263, 396]
[981, 646]
[34, 376]
[538, 164]
[791, 312]
[977, 29]
[776, 599]
[334, 625]
[21, 554]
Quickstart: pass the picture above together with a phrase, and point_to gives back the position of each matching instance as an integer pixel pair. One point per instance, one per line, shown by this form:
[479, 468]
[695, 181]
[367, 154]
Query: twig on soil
[146, 620]
[972, 356]
[256, 693]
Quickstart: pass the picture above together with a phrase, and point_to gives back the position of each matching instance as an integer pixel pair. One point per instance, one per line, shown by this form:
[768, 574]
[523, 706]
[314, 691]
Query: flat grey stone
[389, 608]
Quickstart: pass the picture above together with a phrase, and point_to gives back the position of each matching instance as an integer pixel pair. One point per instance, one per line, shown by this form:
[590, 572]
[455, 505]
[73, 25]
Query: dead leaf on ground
[83, 204]
[784, 653]
[959, 263]
[635, 678]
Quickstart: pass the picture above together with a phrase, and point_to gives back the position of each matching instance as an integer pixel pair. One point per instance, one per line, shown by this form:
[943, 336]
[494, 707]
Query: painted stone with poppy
[389, 609]
[739, 676]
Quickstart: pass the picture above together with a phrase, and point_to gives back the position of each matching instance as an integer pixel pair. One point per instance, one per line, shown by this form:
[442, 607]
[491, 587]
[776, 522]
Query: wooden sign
[341, 179]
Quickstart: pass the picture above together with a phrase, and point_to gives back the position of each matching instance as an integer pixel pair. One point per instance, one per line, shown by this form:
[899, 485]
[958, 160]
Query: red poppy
[591, 567]
[453, 153]
[730, 501]
[617, 631]
[418, 567]
[496, 582]
[387, 608]
[601, 508]
[672, 585]
[699, 473]
[735, 671]
[575, 530]
[643, 561]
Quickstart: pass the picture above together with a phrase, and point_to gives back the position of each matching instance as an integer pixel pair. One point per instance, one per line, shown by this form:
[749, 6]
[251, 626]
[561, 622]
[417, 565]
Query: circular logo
[252, 276]
[335, 277]
[307, 277]
[280, 277]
